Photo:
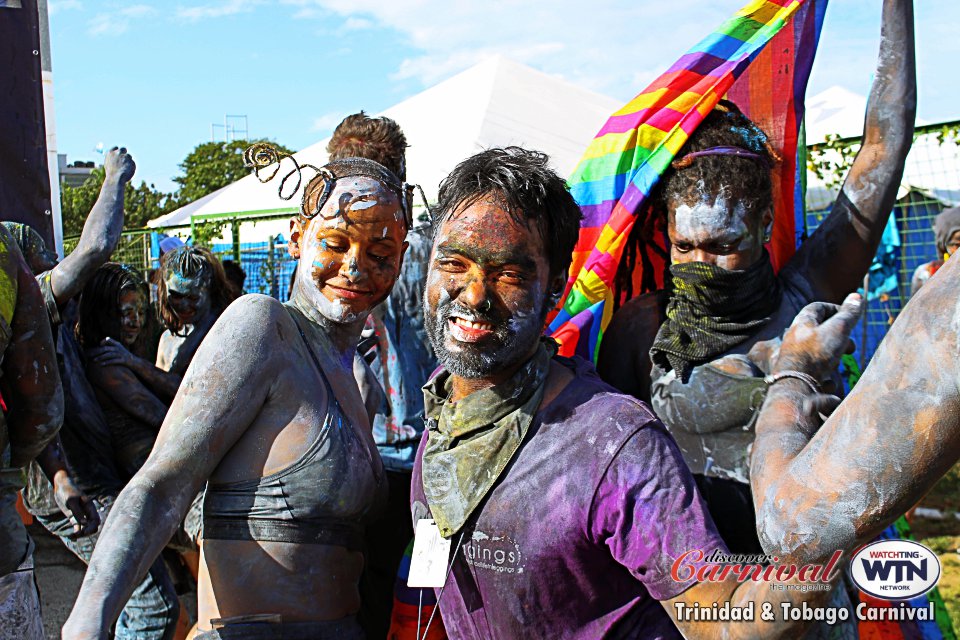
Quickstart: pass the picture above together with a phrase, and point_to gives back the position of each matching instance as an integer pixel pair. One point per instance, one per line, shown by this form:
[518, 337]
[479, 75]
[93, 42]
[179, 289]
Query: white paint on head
[711, 218]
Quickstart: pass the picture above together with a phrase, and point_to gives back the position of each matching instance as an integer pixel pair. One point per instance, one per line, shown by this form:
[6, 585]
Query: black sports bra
[325, 497]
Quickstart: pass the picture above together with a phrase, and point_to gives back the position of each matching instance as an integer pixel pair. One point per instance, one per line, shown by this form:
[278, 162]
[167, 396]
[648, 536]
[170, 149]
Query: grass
[943, 537]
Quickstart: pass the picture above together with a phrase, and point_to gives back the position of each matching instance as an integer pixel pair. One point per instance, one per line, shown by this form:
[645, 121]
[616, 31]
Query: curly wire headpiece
[262, 155]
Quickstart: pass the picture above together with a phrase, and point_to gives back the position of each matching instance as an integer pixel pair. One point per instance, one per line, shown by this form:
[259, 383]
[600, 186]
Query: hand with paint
[119, 166]
[112, 353]
[80, 508]
[819, 335]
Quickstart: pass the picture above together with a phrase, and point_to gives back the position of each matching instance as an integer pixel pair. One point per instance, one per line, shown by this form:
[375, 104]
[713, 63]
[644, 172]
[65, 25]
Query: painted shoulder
[252, 319]
[605, 406]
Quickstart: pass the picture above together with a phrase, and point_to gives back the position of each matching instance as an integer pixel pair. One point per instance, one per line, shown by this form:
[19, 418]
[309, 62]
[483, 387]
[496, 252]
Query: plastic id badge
[431, 551]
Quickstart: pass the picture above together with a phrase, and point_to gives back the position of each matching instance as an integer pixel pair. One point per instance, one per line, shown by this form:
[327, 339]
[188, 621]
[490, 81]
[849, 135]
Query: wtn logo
[902, 570]
[895, 569]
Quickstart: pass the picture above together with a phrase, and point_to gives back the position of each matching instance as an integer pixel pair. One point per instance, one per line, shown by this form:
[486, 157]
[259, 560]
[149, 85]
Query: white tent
[498, 102]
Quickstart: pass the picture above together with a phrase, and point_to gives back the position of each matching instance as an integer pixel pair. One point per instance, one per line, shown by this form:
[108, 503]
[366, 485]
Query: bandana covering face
[712, 310]
[473, 440]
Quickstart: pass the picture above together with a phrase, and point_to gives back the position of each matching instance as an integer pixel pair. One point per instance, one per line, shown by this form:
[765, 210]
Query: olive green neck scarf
[712, 310]
[472, 441]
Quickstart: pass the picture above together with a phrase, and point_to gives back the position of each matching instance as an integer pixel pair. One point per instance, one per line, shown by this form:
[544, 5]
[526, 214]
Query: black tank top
[325, 497]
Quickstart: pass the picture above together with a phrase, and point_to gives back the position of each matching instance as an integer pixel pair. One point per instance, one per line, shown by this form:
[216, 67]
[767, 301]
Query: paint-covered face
[188, 297]
[352, 250]
[132, 315]
[487, 291]
[715, 229]
[953, 243]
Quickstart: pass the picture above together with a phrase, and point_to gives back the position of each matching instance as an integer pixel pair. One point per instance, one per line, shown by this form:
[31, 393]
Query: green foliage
[948, 133]
[831, 160]
[140, 204]
[212, 165]
[204, 233]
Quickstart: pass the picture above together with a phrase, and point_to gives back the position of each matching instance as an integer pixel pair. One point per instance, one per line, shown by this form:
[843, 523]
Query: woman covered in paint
[192, 292]
[270, 417]
[701, 352]
[113, 307]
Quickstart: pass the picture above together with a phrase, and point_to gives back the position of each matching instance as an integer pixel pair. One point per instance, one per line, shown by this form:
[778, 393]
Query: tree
[140, 204]
[212, 165]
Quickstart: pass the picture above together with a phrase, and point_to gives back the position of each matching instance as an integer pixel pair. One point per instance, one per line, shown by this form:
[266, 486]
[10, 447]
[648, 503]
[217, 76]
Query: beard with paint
[473, 343]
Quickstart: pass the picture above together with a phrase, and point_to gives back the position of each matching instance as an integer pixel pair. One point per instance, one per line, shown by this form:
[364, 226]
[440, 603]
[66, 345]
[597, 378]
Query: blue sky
[155, 75]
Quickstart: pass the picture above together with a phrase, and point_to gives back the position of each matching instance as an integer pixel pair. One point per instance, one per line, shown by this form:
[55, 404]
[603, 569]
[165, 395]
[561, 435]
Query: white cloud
[56, 6]
[216, 9]
[357, 24]
[603, 46]
[327, 122]
[116, 22]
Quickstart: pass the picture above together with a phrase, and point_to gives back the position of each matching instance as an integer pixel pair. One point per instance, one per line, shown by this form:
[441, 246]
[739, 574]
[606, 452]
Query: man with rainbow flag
[507, 420]
[702, 351]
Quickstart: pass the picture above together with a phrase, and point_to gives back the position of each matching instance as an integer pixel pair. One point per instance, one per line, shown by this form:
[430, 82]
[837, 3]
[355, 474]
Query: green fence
[931, 183]
[933, 173]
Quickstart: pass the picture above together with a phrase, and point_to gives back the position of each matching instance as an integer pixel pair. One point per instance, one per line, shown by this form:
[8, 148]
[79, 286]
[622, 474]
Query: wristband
[807, 379]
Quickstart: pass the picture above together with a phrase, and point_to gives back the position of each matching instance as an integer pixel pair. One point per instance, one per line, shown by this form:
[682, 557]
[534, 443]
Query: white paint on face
[710, 220]
[191, 297]
[365, 201]
[717, 229]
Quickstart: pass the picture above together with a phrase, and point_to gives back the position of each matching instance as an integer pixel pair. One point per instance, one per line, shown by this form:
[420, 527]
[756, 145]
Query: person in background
[84, 449]
[33, 402]
[946, 231]
[400, 359]
[235, 275]
[700, 351]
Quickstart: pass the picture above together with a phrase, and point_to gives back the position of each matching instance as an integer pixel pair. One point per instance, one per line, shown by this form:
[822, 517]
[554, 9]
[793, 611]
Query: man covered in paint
[946, 231]
[401, 360]
[702, 360]
[33, 401]
[269, 412]
[565, 502]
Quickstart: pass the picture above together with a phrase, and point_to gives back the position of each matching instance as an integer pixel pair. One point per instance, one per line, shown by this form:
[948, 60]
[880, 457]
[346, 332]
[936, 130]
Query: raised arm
[882, 449]
[101, 231]
[222, 393]
[837, 256]
[31, 380]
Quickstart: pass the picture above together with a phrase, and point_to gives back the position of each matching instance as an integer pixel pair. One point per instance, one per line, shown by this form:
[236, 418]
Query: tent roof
[498, 102]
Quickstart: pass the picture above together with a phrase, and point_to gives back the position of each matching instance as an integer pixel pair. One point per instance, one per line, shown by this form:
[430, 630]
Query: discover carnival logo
[889, 570]
[895, 569]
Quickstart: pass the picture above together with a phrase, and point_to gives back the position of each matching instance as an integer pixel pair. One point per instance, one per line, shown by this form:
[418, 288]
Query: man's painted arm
[837, 256]
[101, 231]
[31, 379]
[818, 491]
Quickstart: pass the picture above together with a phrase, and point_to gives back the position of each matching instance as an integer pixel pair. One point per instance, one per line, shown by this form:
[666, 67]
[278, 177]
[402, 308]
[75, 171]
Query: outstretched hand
[119, 165]
[112, 353]
[818, 337]
[76, 505]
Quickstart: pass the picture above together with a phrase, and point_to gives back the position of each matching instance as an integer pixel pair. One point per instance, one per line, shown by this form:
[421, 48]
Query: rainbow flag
[614, 179]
